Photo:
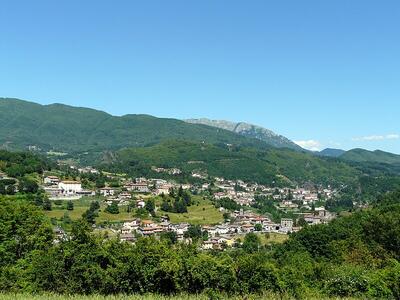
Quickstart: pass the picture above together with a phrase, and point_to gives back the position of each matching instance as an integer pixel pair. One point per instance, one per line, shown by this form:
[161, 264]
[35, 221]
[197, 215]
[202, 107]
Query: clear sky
[323, 73]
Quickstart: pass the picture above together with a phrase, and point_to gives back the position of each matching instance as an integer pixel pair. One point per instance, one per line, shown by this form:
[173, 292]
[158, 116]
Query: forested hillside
[377, 156]
[263, 166]
[74, 129]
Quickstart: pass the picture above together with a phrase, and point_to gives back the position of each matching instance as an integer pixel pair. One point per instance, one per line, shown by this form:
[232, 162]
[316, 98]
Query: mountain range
[250, 130]
[72, 129]
[136, 142]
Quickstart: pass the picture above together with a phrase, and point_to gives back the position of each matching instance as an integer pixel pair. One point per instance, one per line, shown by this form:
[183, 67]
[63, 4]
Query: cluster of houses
[71, 189]
[219, 236]
[319, 216]
[244, 194]
[172, 171]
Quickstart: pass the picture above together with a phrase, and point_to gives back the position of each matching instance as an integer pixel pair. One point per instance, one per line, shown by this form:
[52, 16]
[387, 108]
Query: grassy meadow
[154, 297]
[202, 212]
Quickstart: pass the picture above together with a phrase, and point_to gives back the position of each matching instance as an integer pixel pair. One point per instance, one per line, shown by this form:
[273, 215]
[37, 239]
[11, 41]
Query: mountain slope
[264, 166]
[377, 156]
[250, 130]
[330, 152]
[67, 128]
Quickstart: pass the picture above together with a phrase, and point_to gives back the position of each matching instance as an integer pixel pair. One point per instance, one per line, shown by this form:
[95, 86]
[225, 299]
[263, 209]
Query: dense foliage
[269, 166]
[378, 156]
[352, 256]
[18, 164]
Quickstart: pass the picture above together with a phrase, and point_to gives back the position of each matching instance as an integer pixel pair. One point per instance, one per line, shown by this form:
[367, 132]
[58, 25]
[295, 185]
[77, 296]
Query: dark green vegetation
[73, 129]
[21, 163]
[377, 156]
[20, 170]
[177, 202]
[353, 256]
[330, 152]
[249, 164]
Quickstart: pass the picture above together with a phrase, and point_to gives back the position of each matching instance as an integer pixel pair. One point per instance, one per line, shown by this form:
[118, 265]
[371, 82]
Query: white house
[70, 187]
[106, 191]
[286, 225]
[137, 187]
[51, 180]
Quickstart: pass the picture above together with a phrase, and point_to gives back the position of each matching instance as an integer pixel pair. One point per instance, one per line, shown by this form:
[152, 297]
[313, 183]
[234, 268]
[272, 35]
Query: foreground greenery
[204, 296]
[355, 256]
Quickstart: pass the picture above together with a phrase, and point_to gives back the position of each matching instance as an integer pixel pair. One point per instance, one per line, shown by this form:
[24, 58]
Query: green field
[273, 238]
[81, 205]
[201, 213]
[267, 239]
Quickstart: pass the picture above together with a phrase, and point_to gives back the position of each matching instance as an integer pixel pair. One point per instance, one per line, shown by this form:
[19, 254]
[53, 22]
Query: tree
[113, 208]
[251, 243]
[95, 205]
[70, 205]
[302, 222]
[187, 199]
[165, 206]
[38, 200]
[226, 216]
[141, 213]
[169, 236]
[10, 190]
[100, 183]
[180, 192]
[150, 206]
[180, 206]
[46, 204]
[195, 233]
[89, 216]
[27, 186]
[2, 189]
[258, 227]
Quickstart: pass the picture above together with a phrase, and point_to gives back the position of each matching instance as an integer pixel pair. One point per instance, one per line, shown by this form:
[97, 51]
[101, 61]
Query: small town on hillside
[142, 206]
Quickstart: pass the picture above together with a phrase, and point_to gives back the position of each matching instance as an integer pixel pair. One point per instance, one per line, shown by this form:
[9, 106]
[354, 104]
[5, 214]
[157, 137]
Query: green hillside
[331, 152]
[378, 156]
[68, 129]
[264, 166]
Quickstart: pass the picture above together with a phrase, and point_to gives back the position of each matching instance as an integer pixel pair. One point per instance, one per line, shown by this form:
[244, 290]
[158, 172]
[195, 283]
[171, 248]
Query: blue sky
[324, 73]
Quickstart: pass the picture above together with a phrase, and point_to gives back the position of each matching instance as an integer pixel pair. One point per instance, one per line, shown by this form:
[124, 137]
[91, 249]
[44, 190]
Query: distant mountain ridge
[331, 152]
[378, 156]
[250, 130]
[73, 129]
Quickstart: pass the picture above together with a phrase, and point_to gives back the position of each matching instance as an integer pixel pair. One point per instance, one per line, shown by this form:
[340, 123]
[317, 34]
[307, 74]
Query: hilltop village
[218, 211]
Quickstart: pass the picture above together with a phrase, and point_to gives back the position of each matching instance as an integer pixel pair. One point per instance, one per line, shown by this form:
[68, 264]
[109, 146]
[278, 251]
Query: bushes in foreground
[353, 256]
